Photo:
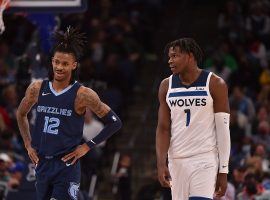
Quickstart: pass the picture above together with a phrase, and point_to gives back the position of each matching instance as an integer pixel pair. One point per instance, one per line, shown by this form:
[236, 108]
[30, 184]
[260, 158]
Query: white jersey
[192, 117]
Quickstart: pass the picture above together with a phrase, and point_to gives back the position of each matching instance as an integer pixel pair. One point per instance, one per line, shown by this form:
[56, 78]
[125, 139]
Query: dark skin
[63, 65]
[185, 65]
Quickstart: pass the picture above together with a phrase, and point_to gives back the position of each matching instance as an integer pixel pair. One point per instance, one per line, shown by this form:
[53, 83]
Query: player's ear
[75, 65]
[190, 56]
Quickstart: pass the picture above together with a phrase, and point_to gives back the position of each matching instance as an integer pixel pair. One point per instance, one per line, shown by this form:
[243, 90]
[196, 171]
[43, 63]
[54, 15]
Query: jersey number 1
[51, 125]
[187, 111]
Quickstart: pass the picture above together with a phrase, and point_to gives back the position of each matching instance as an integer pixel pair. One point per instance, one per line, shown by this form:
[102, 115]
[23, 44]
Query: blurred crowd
[118, 35]
[241, 57]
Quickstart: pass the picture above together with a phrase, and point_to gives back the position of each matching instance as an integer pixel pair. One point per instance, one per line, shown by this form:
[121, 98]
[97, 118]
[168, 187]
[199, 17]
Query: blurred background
[124, 63]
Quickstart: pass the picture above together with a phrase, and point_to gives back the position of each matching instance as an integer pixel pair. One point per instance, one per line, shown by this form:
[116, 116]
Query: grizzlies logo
[73, 190]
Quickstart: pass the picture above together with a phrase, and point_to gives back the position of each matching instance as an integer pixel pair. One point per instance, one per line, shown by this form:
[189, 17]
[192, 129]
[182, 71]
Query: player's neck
[190, 75]
[58, 86]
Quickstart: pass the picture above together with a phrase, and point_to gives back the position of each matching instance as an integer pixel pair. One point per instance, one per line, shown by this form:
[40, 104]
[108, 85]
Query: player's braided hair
[71, 41]
[186, 45]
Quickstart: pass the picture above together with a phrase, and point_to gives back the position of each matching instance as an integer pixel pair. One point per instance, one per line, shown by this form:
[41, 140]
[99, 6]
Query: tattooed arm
[87, 98]
[31, 97]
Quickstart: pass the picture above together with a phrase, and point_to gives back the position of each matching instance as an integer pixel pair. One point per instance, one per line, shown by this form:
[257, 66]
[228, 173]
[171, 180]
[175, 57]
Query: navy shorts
[55, 179]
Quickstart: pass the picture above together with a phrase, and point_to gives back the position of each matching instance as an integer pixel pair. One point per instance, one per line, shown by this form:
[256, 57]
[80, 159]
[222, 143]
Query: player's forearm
[23, 125]
[222, 121]
[162, 145]
[112, 125]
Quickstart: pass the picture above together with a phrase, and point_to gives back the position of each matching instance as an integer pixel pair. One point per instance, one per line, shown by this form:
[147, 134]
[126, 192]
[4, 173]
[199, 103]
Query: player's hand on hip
[164, 176]
[221, 185]
[80, 151]
[32, 154]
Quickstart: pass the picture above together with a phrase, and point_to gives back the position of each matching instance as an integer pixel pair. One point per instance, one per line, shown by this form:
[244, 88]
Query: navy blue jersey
[57, 124]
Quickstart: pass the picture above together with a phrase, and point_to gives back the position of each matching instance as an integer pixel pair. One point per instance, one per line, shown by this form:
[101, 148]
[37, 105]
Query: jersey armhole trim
[170, 86]
[43, 84]
[208, 84]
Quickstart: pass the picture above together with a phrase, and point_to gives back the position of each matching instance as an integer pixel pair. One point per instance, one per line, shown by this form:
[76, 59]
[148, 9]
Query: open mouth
[59, 74]
[172, 67]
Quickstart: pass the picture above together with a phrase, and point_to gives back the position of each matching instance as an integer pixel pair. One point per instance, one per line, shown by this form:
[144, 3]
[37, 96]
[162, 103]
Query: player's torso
[192, 116]
[57, 124]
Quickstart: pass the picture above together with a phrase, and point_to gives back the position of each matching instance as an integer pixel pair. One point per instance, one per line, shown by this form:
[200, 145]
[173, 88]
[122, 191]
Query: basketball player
[193, 126]
[61, 103]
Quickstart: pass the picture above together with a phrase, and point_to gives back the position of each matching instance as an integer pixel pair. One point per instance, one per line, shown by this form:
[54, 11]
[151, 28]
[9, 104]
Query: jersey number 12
[51, 125]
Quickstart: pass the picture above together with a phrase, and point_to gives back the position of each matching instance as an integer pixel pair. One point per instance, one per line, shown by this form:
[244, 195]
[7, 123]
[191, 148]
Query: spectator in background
[250, 188]
[231, 22]
[262, 136]
[123, 178]
[11, 177]
[2, 124]
[222, 62]
[257, 53]
[239, 174]
[91, 160]
[11, 102]
[264, 97]
[258, 23]
[264, 78]
[243, 103]
[5, 118]
[236, 130]
[262, 115]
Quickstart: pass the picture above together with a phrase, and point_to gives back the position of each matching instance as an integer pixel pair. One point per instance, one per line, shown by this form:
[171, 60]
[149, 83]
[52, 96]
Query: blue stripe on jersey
[188, 93]
[199, 198]
[200, 82]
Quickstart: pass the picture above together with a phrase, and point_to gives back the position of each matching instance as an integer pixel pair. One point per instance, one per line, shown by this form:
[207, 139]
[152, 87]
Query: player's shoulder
[165, 83]
[36, 84]
[217, 84]
[33, 89]
[84, 91]
[163, 87]
[216, 80]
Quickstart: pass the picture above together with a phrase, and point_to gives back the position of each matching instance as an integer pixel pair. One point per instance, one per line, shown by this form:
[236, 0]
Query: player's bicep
[219, 92]
[163, 118]
[31, 97]
[164, 111]
[93, 102]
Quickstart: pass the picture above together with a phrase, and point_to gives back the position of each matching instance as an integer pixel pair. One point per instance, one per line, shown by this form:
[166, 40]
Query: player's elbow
[113, 121]
[19, 114]
[118, 124]
[162, 130]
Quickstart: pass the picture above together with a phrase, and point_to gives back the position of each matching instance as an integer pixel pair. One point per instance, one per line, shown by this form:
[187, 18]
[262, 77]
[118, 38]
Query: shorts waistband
[50, 157]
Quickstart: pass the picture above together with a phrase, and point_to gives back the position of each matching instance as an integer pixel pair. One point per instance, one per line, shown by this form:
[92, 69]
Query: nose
[170, 61]
[59, 67]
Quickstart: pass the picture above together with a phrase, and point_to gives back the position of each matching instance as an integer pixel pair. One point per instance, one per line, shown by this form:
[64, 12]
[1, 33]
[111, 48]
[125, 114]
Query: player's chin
[173, 70]
[59, 77]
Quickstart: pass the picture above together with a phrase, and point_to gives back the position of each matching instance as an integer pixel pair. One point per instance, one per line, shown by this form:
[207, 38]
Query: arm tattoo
[89, 98]
[25, 106]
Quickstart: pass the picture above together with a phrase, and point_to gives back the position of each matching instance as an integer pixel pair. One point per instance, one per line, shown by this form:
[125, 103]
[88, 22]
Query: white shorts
[194, 176]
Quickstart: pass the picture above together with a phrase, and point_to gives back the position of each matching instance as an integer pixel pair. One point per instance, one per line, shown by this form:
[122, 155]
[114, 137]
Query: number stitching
[51, 125]
[187, 111]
